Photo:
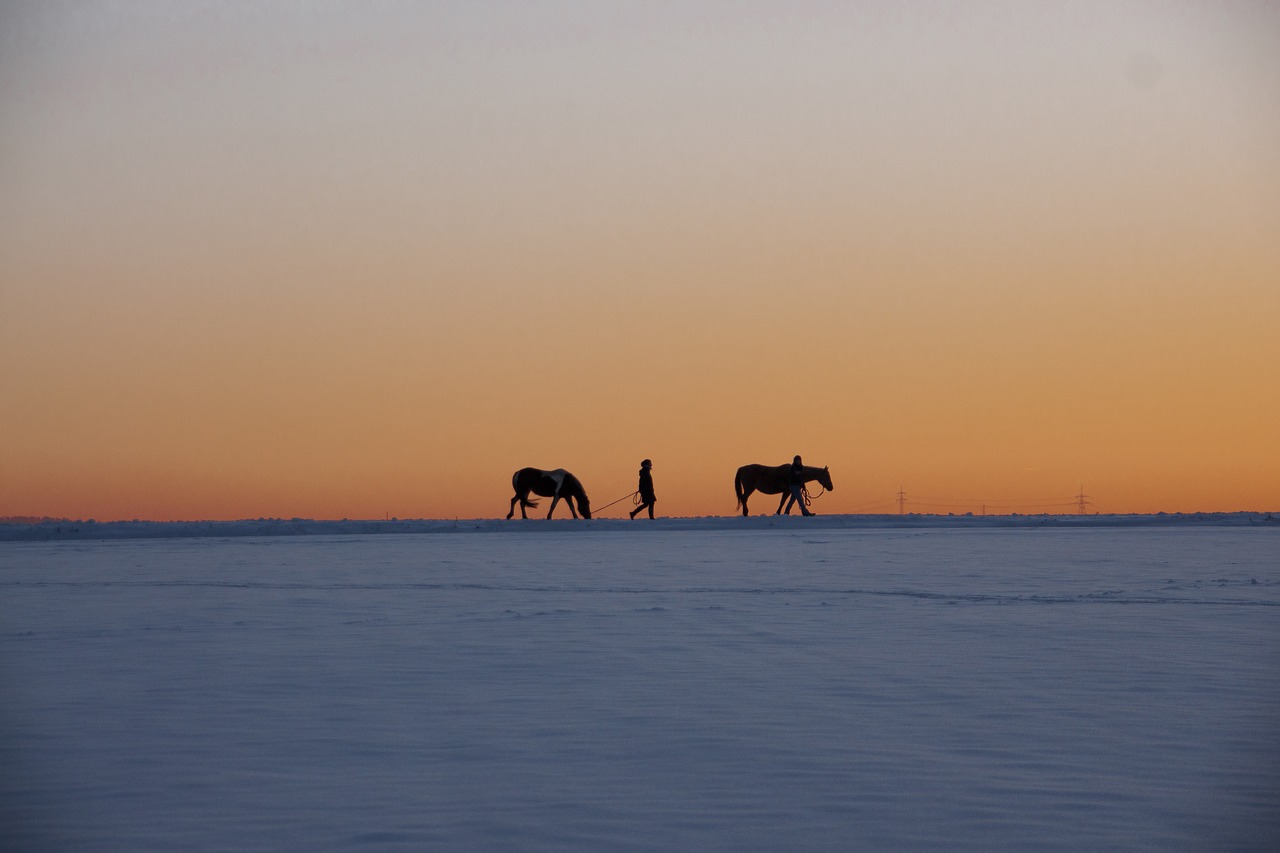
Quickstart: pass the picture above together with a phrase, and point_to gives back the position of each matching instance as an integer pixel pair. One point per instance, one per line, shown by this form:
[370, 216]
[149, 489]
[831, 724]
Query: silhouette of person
[647, 497]
[795, 480]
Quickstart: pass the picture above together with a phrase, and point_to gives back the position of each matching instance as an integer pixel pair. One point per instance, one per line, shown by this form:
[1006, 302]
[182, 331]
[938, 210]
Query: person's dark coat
[646, 486]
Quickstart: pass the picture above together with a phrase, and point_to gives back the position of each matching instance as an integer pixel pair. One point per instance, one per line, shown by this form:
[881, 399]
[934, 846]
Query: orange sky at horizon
[359, 260]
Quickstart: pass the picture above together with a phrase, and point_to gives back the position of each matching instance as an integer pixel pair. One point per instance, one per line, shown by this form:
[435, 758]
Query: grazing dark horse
[557, 485]
[772, 480]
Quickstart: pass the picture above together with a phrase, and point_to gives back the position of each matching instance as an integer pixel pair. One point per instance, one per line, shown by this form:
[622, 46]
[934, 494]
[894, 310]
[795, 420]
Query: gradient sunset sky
[364, 259]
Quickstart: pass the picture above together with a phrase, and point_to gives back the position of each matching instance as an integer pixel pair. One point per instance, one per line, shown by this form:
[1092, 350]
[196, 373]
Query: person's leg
[796, 497]
[799, 490]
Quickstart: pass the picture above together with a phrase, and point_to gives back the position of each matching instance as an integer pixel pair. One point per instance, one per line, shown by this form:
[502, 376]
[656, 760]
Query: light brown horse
[772, 480]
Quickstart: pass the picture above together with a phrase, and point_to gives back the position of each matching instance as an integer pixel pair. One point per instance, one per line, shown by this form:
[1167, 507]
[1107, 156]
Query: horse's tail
[737, 487]
[528, 504]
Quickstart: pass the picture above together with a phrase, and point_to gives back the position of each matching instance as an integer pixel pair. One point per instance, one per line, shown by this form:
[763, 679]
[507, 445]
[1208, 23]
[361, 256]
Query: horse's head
[824, 477]
[573, 486]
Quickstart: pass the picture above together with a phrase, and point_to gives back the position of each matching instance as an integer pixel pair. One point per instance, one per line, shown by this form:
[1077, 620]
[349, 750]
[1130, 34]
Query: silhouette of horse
[558, 484]
[772, 480]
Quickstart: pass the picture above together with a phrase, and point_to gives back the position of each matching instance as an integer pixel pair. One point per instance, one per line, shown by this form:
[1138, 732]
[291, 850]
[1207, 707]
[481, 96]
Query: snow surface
[731, 684]
[307, 527]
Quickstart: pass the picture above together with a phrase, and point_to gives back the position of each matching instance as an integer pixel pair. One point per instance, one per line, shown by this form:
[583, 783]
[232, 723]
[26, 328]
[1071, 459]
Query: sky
[365, 260]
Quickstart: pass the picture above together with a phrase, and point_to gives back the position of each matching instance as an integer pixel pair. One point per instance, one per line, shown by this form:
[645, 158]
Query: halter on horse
[558, 484]
[773, 480]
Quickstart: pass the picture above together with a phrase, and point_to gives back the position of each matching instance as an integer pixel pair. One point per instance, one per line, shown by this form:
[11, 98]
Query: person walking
[795, 480]
[647, 497]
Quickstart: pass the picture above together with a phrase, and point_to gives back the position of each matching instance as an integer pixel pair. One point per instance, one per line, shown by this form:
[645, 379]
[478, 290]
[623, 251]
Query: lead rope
[618, 501]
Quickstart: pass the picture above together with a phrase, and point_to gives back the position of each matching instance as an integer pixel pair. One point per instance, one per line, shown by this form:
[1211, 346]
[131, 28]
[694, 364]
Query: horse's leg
[513, 507]
[555, 499]
[746, 493]
[569, 503]
[523, 497]
[785, 495]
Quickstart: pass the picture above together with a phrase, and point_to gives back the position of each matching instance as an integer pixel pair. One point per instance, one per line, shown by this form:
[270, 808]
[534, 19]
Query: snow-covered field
[731, 685]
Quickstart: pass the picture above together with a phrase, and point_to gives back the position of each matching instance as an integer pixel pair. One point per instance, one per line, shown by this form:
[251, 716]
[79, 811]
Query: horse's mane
[572, 482]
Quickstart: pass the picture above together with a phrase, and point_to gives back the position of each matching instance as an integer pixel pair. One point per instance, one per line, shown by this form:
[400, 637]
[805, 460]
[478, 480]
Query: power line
[991, 503]
[1051, 499]
[866, 508]
[1080, 502]
[930, 504]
